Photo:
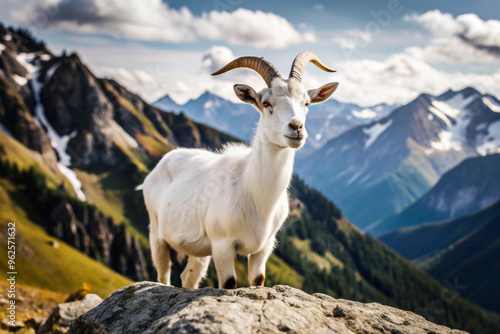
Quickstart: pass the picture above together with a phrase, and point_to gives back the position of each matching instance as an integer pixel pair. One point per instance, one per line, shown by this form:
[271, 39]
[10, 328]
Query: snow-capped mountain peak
[381, 167]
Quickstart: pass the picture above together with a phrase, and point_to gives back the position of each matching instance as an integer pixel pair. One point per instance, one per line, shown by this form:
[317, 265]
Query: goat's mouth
[295, 141]
[297, 137]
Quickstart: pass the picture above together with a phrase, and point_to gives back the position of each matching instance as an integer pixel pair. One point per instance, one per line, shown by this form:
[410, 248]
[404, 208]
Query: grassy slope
[19, 154]
[48, 268]
[39, 264]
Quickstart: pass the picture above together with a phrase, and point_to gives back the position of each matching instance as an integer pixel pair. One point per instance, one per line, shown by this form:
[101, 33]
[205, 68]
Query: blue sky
[384, 51]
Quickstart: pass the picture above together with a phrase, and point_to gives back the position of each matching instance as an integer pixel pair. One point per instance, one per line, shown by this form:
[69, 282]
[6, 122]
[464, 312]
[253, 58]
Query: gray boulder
[148, 308]
[64, 314]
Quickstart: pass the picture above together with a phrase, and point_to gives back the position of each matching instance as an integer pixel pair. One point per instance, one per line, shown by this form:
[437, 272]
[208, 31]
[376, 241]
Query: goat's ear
[322, 93]
[248, 95]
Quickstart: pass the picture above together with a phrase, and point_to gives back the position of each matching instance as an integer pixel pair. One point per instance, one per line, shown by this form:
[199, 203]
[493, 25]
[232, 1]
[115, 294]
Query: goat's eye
[266, 104]
[308, 104]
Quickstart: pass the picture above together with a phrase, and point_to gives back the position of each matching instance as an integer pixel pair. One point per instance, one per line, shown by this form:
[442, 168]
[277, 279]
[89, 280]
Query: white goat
[204, 204]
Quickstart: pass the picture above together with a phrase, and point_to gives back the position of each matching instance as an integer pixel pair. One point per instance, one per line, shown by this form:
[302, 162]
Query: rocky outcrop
[75, 104]
[64, 314]
[148, 307]
[95, 234]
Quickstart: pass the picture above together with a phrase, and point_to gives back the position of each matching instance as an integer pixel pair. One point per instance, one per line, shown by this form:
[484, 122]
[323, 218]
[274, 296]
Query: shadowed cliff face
[155, 308]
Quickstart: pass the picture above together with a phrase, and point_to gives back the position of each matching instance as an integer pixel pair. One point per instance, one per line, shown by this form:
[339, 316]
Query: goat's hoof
[230, 283]
[259, 280]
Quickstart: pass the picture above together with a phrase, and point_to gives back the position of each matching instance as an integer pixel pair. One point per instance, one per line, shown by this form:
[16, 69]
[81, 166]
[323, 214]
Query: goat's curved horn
[300, 62]
[262, 66]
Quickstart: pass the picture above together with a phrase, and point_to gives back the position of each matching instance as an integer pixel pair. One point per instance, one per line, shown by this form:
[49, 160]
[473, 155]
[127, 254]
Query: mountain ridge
[408, 152]
[465, 189]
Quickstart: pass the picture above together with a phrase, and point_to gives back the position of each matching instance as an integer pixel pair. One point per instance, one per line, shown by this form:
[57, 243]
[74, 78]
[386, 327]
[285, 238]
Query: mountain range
[73, 148]
[324, 121]
[467, 188]
[375, 170]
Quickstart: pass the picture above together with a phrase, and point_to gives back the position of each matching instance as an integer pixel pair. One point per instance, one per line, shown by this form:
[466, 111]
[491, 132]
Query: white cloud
[245, 27]
[397, 79]
[188, 75]
[153, 20]
[217, 57]
[352, 39]
[400, 78]
[462, 39]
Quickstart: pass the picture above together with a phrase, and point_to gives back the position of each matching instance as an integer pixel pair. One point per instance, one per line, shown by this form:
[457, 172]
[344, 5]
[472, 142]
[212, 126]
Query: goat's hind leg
[160, 252]
[195, 270]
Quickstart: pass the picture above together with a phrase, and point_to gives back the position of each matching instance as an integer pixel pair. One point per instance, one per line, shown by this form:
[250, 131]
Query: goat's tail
[139, 187]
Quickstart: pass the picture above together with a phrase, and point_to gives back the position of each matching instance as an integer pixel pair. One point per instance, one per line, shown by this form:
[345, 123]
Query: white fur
[204, 203]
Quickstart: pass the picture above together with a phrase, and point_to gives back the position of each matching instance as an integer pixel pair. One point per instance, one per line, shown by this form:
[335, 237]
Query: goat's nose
[296, 125]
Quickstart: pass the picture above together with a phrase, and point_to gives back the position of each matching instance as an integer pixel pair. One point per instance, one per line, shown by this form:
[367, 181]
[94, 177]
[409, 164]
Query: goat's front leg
[223, 253]
[257, 264]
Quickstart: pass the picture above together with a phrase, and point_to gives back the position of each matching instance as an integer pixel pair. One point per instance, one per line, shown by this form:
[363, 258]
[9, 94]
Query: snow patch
[51, 71]
[430, 117]
[446, 108]
[26, 59]
[482, 127]
[73, 179]
[459, 102]
[59, 143]
[494, 107]
[354, 177]
[318, 136]
[439, 114]
[7, 37]
[344, 172]
[123, 136]
[2, 47]
[364, 114]
[208, 104]
[491, 142]
[21, 81]
[375, 131]
[446, 142]
[454, 109]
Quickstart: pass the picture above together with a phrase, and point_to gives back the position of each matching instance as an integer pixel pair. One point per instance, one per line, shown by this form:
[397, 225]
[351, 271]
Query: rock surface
[148, 307]
[65, 314]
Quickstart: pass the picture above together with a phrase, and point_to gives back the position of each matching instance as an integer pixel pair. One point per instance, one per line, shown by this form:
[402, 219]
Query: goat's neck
[268, 173]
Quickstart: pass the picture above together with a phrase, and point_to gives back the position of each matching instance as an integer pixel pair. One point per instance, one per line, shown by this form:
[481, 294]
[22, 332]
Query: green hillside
[38, 263]
[474, 260]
